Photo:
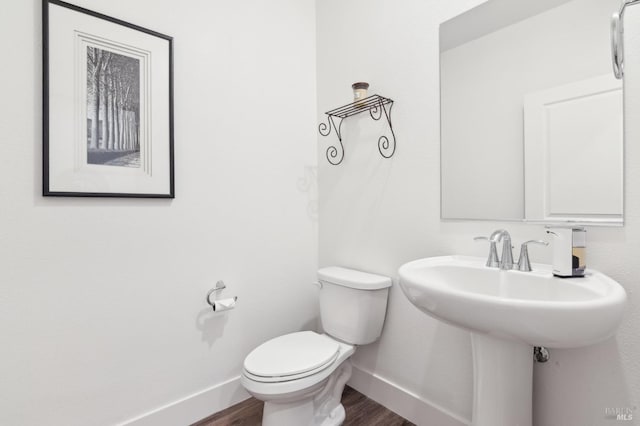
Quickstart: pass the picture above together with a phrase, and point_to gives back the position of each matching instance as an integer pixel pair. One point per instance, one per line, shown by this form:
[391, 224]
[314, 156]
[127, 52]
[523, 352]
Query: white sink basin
[534, 307]
[509, 312]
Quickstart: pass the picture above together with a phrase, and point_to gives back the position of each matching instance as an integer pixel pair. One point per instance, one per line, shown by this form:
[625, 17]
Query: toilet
[300, 376]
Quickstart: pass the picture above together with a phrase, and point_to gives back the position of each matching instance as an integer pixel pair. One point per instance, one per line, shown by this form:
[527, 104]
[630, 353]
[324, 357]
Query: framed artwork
[107, 106]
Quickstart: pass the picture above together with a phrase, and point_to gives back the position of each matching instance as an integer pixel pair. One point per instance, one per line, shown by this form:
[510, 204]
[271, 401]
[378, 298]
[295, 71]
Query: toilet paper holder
[220, 285]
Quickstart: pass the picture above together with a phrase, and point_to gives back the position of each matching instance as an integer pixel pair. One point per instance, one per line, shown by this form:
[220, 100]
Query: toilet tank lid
[352, 278]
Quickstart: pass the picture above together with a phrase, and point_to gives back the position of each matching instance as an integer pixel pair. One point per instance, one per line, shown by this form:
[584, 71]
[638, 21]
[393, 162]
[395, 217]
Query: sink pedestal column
[502, 382]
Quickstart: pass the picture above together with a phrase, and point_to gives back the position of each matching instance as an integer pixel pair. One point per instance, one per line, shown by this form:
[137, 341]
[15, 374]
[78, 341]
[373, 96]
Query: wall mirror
[531, 113]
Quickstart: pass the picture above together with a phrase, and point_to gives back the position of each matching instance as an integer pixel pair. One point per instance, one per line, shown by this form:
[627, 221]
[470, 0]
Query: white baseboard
[403, 402]
[194, 407]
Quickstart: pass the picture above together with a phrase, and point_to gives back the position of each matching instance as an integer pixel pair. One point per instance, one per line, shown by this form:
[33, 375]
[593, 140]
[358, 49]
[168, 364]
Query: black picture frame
[108, 130]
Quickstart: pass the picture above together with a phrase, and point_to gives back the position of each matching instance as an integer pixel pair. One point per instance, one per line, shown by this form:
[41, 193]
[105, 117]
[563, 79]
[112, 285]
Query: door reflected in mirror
[531, 114]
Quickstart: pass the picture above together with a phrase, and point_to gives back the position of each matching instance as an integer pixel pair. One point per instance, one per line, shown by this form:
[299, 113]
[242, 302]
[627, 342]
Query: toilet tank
[353, 304]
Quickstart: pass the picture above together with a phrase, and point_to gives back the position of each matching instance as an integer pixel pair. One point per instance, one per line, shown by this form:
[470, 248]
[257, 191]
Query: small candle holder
[359, 92]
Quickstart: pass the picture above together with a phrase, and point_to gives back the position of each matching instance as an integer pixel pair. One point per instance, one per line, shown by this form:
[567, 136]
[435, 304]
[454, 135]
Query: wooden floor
[361, 411]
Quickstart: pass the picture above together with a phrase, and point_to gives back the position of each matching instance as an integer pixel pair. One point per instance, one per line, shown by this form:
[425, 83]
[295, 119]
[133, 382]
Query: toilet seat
[291, 357]
[293, 387]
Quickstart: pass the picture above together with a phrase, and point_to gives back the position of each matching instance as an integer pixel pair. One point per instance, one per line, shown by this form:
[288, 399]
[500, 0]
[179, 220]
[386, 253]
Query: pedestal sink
[509, 312]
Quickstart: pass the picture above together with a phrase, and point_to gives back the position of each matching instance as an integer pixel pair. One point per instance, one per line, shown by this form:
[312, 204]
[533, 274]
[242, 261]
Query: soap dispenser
[569, 251]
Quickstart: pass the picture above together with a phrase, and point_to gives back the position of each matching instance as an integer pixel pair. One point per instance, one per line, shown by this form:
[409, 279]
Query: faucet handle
[539, 242]
[524, 264]
[492, 260]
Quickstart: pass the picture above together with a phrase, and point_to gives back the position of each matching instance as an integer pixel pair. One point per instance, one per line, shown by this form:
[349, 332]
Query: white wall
[102, 302]
[376, 214]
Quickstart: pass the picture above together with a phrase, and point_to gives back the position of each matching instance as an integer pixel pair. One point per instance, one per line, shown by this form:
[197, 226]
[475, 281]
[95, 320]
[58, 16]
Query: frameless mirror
[531, 114]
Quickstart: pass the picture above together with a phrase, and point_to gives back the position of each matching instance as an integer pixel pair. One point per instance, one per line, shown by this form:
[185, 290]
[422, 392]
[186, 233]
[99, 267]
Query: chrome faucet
[506, 261]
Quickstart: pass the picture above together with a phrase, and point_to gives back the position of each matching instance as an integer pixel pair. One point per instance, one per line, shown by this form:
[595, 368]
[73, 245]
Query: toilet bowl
[300, 376]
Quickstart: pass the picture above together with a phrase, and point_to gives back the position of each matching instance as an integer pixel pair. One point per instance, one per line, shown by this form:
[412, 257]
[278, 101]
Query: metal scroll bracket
[377, 106]
[617, 39]
[386, 147]
[336, 151]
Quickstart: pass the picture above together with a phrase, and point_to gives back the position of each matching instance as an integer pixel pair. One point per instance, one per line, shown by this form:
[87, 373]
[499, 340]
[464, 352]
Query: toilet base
[299, 414]
[322, 409]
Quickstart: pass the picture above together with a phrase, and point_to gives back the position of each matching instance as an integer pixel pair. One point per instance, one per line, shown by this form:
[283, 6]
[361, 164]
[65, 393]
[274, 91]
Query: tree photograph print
[113, 109]
[107, 95]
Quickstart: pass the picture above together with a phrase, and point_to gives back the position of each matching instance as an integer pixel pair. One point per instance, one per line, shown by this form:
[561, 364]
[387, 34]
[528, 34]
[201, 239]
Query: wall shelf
[376, 105]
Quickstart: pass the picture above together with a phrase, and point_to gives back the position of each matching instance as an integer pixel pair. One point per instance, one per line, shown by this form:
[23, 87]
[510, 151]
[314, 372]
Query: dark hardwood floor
[361, 411]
